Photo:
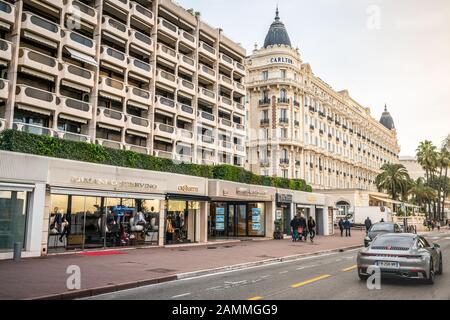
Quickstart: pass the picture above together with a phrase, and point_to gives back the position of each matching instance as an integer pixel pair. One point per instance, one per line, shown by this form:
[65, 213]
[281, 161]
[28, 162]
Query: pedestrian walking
[347, 227]
[438, 225]
[294, 226]
[341, 226]
[302, 228]
[368, 224]
[433, 223]
[311, 228]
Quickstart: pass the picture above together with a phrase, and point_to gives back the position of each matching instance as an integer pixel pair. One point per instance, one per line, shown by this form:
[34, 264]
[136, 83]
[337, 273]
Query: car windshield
[393, 241]
[382, 227]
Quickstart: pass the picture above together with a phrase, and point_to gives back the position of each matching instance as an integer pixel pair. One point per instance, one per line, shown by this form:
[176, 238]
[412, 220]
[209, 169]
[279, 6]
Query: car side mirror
[435, 245]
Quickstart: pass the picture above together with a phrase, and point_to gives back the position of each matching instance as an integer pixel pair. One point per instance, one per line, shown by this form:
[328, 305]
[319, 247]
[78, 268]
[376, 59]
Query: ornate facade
[300, 127]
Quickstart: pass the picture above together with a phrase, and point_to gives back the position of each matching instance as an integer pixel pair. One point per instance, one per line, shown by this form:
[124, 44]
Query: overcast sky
[402, 58]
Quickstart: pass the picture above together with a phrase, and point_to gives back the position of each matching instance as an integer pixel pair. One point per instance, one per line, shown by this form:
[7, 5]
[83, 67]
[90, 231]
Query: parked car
[404, 255]
[380, 228]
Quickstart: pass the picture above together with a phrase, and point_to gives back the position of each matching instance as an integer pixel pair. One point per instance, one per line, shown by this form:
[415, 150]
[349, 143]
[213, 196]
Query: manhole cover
[161, 270]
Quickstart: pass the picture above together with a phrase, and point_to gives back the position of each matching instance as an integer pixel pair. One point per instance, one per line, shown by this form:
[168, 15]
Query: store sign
[311, 198]
[249, 192]
[113, 183]
[186, 188]
[281, 60]
[284, 198]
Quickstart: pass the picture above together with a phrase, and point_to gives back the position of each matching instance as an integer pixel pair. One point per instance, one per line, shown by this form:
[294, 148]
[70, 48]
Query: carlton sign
[281, 60]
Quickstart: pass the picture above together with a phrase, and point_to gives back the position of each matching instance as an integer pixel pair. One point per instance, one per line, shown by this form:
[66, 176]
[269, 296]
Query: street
[328, 276]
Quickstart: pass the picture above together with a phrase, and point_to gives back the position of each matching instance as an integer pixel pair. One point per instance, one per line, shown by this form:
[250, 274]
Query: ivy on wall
[17, 141]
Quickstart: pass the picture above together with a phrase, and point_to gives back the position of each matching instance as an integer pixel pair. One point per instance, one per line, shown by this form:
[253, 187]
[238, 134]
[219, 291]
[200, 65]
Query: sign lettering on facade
[113, 183]
[281, 60]
[186, 188]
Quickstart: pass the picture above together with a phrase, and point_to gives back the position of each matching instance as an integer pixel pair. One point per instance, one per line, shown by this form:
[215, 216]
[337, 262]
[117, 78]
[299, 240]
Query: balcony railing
[82, 11]
[264, 121]
[4, 89]
[187, 38]
[78, 75]
[225, 122]
[5, 50]
[79, 42]
[77, 105]
[264, 101]
[142, 13]
[38, 61]
[113, 56]
[283, 120]
[163, 154]
[41, 26]
[206, 48]
[7, 12]
[167, 51]
[283, 100]
[187, 109]
[115, 27]
[206, 138]
[284, 161]
[141, 40]
[168, 27]
[206, 115]
[139, 95]
[36, 97]
[165, 101]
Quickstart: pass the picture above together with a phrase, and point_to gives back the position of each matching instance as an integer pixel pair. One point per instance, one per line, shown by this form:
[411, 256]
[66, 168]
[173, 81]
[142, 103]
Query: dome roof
[386, 119]
[277, 33]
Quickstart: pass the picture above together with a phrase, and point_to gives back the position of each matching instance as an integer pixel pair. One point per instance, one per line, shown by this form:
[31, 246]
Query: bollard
[17, 251]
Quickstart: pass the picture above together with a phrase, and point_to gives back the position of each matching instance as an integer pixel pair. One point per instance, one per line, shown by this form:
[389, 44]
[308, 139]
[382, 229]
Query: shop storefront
[316, 206]
[285, 211]
[240, 210]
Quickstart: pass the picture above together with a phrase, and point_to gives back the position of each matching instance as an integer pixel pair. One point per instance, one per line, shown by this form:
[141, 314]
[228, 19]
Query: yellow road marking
[256, 298]
[350, 268]
[310, 281]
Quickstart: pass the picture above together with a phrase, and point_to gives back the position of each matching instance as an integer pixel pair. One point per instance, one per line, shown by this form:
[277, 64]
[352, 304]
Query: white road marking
[182, 295]
[212, 288]
[283, 272]
[266, 276]
[337, 260]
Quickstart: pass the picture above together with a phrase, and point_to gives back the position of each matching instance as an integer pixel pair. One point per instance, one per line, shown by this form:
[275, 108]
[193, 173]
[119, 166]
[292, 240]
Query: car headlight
[367, 239]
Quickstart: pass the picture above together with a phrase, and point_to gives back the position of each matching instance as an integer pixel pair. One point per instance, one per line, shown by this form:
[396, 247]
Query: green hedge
[17, 141]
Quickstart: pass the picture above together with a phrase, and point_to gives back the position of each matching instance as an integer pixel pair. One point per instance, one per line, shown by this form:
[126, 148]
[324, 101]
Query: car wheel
[431, 274]
[440, 270]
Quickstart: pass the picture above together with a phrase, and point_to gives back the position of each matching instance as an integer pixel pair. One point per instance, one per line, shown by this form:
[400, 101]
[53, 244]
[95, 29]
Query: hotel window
[265, 75]
[283, 113]
[283, 74]
[283, 94]
[284, 154]
[265, 114]
[284, 173]
[284, 133]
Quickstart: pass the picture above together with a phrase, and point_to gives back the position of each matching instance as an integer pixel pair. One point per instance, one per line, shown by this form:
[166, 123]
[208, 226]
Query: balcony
[42, 30]
[140, 40]
[264, 102]
[225, 145]
[166, 78]
[114, 28]
[5, 50]
[207, 72]
[78, 75]
[111, 117]
[239, 108]
[165, 104]
[166, 131]
[140, 68]
[110, 144]
[239, 88]
[240, 128]
[38, 61]
[207, 95]
[225, 82]
[123, 5]
[206, 117]
[185, 111]
[166, 52]
[226, 102]
[186, 86]
[264, 162]
[183, 158]
[168, 28]
[138, 124]
[34, 129]
[36, 97]
[283, 120]
[208, 162]
[296, 123]
[239, 149]
[207, 51]
[53, 3]
[225, 124]
[264, 122]
[239, 68]
[4, 89]
[205, 140]
[140, 96]
[283, 100]
[79, 42]
[138, 149]
[111, 86]
[81, 11]
[226, 60]
[141, 13]
[163, 154]
[187, 39]
[7, 12]
[113, 56]
[75, 108]
[284, 161]
[187, 62]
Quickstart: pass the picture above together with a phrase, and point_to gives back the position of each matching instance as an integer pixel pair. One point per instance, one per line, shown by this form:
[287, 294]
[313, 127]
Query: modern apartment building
[147, 76]
[302, 128]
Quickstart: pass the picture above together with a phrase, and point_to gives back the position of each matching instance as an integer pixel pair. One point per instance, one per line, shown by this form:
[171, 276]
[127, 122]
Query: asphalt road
[329, 276]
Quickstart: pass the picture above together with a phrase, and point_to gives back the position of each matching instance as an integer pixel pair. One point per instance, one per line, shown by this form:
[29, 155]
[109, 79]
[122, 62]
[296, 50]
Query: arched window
[283, 94]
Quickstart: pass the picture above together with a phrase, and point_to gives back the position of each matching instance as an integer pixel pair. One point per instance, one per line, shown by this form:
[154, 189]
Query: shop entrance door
[237, 220]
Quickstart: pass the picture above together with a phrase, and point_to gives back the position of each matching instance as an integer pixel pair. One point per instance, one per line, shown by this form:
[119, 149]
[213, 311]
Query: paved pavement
[328, 276]
[37, 277]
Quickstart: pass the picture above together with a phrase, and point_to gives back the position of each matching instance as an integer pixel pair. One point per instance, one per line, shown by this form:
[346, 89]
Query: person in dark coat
[302, 224]
[341, 226]
[294, 225]
[368, 224]
[311, 228]
[347, 227]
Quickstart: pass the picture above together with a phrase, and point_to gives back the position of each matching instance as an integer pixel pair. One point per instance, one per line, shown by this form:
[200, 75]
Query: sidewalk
[121, 269]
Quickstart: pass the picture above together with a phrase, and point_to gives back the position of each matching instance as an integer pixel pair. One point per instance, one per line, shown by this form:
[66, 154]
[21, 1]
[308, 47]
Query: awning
[137, 133]
[40, 39]
[137, 104]
[81, 57]
[109, 127]
[37, 74]
[187, 197]
[16, 187]
[385, 200]
[165, 113]
[75, 86]
[102, 193]
[110, 96]
[72, 118]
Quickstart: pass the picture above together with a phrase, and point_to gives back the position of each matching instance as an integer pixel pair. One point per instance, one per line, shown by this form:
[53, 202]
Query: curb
[78, 294]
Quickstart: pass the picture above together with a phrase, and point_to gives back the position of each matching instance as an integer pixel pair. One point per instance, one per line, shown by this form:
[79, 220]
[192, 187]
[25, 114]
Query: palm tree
[421, 193]
[443, 162]
[394, 179]
[426, 157]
